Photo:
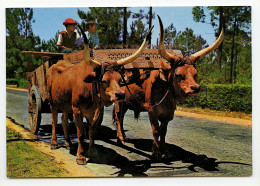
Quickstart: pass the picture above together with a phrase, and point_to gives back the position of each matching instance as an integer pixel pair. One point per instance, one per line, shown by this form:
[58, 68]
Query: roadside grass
[24, 160]
[207, 111]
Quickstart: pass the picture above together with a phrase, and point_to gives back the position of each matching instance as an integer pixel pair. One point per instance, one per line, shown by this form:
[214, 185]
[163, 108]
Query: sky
[49, 20]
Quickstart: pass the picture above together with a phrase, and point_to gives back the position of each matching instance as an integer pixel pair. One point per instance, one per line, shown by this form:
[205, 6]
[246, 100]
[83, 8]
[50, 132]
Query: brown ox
[160, 92]
[83, 89]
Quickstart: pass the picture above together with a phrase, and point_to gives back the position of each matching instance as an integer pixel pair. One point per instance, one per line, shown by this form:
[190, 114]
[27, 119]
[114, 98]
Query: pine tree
[20, 37]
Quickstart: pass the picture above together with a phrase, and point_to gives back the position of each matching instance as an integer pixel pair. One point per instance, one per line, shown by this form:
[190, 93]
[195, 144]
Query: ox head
[183, 69]
[108, 75]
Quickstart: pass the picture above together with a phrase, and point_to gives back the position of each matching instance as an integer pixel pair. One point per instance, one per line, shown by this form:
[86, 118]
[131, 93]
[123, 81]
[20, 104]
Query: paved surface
[196, 147]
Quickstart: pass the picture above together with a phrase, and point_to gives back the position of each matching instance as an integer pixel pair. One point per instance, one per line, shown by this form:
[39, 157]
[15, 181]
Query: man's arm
[59, 43]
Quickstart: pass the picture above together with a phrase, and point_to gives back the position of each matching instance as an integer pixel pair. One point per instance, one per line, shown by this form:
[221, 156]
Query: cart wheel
[34, 109]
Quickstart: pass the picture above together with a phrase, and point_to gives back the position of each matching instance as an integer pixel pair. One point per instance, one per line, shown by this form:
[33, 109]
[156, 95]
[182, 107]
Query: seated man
[68, 38]
[91, 35]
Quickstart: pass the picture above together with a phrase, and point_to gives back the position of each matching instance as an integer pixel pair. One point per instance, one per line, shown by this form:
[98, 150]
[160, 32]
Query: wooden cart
[38, 102]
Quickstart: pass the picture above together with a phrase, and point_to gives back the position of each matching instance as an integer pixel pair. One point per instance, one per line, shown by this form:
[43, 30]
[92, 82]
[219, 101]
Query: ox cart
[38, 102]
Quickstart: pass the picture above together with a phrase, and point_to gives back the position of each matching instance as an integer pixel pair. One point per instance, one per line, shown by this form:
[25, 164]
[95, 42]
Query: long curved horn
[87, 50]
[161, 48]
[87, 56]
[137, 54]
[213, 46]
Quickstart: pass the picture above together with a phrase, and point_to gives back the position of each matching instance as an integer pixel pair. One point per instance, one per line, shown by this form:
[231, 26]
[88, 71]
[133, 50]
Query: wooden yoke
[149, 59]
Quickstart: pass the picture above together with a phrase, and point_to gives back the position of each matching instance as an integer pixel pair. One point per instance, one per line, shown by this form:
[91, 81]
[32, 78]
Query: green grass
[24, 160]
[22, 83]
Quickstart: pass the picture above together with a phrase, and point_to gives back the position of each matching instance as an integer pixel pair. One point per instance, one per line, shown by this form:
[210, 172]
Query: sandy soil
[215, 118]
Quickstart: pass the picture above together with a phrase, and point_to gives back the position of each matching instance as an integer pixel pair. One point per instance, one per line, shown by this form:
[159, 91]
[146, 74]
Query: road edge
[62, 159]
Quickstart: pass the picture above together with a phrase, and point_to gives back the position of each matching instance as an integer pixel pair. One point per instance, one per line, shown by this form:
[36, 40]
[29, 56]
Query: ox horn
[87, 56]
[205, 51]
[137, 54]
[87, 49]
[161, 48]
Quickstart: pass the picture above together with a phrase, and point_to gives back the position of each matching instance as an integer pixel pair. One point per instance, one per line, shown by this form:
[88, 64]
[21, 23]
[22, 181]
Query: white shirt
[60, 39]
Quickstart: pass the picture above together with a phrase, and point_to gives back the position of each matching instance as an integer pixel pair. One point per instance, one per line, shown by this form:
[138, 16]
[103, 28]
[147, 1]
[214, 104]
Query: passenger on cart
[67, 40]
[91, 35]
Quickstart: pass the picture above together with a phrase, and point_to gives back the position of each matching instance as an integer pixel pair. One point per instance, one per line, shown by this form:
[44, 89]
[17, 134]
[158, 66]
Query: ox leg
[148, 93]
[81, 159]
[163, 131]
[68, 143]
[119, 111]
[54, 143]
[156, 134]
[94, 125]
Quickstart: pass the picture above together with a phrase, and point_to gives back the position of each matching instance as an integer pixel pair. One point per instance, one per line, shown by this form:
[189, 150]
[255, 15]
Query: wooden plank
[44, 54]
[74, 57]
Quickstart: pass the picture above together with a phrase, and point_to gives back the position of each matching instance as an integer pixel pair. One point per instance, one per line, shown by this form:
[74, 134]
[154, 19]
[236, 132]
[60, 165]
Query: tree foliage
[111, 24]
[234, 57]
[20, 37]
[188, 43]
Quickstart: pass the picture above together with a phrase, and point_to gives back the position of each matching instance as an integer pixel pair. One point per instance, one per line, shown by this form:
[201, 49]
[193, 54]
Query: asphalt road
[197, 147]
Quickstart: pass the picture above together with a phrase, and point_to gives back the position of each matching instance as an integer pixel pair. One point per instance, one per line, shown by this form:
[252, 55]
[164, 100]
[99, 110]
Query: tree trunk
[150, 26]
[125, 26]
[232, 51]
[236, 59]
[221, 25]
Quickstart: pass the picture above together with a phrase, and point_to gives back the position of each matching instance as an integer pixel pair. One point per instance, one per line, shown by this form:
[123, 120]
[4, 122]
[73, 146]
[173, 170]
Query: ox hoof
[165, 158]
[120, 141]
[54, 146]
[69, 146]
[157, 157]
[81, 161]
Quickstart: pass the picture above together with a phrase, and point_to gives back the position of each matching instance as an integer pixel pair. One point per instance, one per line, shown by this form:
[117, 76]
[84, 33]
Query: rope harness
[178, 63]
[116, 67]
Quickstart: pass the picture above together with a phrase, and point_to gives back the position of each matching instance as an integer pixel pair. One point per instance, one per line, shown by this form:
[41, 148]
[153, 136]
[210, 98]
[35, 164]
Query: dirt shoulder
[229, 120]
[19, 89]
[62, 159]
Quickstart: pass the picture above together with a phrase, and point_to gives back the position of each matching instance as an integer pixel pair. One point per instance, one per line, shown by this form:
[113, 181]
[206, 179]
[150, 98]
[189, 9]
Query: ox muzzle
[195, 89]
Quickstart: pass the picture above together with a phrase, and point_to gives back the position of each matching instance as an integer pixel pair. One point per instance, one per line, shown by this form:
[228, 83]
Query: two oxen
[85, 88]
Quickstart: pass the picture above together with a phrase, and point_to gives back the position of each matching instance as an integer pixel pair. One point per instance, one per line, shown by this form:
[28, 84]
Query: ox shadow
[142, 147]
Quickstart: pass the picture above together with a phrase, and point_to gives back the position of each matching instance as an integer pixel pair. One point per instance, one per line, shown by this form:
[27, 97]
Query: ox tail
[49, 85]
[49, 80]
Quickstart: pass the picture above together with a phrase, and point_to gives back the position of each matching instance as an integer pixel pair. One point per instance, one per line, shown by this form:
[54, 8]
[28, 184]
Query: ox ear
[90, 78]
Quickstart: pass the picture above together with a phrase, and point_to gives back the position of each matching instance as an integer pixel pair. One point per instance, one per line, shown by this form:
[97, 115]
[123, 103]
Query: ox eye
[180, 77]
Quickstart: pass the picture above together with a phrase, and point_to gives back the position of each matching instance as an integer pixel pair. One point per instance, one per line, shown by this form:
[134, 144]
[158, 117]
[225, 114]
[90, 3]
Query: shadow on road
[143, 147]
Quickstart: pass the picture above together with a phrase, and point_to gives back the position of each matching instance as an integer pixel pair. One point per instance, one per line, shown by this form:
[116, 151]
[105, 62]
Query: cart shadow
[142, 147]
